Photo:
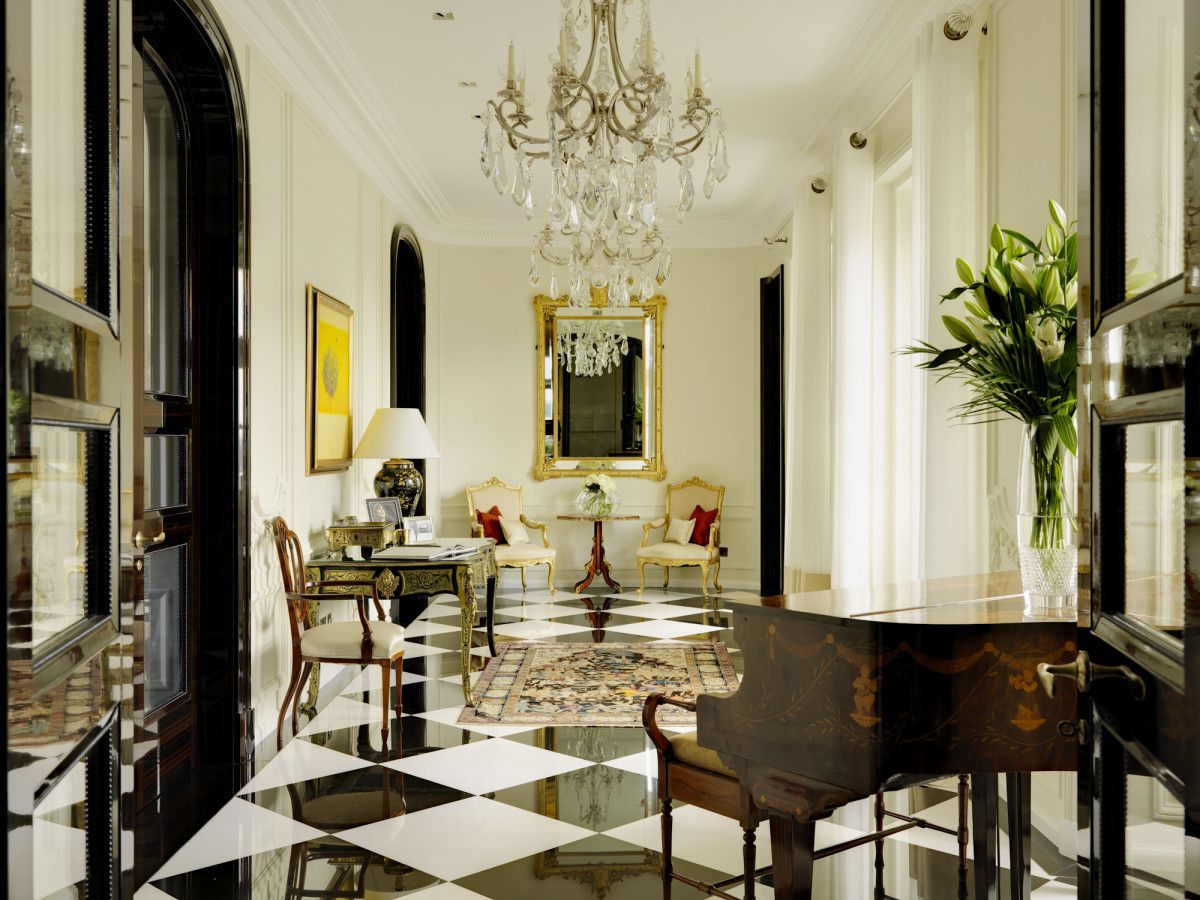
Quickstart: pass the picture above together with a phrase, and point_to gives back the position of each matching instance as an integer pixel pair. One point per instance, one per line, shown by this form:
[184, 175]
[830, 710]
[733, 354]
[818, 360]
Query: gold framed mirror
[598, 388]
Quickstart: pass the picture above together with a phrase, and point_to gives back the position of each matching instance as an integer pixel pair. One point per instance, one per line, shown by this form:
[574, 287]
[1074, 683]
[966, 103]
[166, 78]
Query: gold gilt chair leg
[550, 578]
[717, 574]
[704, 579]
[641, 577]
[666, 577]
[524, 587]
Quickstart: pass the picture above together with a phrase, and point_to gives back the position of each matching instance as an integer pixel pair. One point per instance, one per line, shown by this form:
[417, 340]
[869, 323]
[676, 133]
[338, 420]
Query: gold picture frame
[329, 420]
[547, 461]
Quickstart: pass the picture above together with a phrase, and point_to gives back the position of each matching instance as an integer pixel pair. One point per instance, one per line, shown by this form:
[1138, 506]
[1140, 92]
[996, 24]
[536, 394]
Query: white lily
[976, 325]
[1047, 340]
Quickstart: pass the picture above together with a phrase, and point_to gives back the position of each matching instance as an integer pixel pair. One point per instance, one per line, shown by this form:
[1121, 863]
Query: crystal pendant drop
[527, 204]
[499, 172]
[598, 273]
[485, 150]
[554, 284]
[710, 179]
[664, 266]
[518, 185]
[687, 189]
[721, 157]
[572, 216]
[534, 275]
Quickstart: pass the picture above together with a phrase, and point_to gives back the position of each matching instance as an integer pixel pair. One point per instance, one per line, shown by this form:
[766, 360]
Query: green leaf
[997, 238]
[958, 330]
[1064, 427]
[1058, 215]
[954, 293]
[1021, 239]
[965, 272]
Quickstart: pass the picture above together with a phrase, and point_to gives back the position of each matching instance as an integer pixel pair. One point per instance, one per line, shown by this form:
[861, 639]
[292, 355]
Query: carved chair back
[291, 556]
[683, 498]
[494, 492]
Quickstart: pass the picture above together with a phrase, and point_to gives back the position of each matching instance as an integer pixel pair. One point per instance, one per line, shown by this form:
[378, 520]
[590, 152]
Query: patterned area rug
[596, 684]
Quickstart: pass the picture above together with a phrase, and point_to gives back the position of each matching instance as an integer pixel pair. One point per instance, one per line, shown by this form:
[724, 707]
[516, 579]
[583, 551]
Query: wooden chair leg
[748, 860]
[304, 673]
[879, 811]
[293, 687]
[397, 664]
[964, 835]
[666, 844]
[386, 669]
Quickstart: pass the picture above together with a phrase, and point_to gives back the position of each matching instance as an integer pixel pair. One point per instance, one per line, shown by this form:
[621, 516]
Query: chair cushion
[704, 519]
[343, 640]
[490, 521]
[680, 531]
[508, 552]
[514, 531]
[688, 752]
[673, 551]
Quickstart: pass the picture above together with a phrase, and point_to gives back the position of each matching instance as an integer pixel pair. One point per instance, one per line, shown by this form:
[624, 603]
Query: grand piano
[850, 691]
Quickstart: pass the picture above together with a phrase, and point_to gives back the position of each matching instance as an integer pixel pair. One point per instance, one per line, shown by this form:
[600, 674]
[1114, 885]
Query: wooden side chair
[683, 502]
[693, 774]
[519, 553]
[365, 642]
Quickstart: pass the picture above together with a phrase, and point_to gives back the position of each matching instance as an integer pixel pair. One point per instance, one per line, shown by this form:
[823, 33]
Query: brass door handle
[140, 540]
[1084, 672]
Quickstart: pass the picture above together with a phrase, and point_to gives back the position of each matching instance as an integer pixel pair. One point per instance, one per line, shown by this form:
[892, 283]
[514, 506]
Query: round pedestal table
[597, 565]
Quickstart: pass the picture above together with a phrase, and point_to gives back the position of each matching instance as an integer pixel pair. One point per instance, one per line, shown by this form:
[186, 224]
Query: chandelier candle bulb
[698, 89]
[512, 63]
[562, 47]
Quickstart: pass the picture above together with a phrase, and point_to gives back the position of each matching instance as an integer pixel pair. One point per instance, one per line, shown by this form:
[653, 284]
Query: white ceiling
[785, 72]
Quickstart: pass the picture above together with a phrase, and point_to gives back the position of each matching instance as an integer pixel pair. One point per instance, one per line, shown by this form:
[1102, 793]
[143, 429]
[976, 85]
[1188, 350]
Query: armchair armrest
[650, 526]
[650, 709]
[714, 536]
[540, 526]
[476, 530]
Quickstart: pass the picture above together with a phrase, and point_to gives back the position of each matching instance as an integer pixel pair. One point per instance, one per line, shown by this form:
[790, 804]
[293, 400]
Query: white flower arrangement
[599, 495]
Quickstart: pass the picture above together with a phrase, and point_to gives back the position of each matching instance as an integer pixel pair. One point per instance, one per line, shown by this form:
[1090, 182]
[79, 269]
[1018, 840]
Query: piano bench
[689, 773]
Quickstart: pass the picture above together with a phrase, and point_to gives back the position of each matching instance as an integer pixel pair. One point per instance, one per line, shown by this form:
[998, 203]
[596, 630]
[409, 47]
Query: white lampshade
[396, 433]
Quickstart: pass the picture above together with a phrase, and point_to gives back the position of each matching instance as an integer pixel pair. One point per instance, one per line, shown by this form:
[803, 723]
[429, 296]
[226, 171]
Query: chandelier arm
[619, 71]
[640, 101]
[586, 74]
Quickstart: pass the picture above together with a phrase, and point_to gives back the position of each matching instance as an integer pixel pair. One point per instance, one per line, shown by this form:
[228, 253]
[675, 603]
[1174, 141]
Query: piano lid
[989, 599]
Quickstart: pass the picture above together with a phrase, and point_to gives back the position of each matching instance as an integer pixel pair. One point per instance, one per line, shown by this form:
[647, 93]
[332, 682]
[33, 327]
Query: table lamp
[397, 436]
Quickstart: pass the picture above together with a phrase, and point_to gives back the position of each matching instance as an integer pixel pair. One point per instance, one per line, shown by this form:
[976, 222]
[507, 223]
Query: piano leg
[879, 810]
[792, 856]
[1019, 833]
[985, 817]
[665, 804]
[748, 855]
[964, 835]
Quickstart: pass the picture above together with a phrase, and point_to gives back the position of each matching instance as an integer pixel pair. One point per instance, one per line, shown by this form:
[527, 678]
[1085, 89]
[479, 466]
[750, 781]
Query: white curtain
[855, 349]
[947, 198]
[807, 545]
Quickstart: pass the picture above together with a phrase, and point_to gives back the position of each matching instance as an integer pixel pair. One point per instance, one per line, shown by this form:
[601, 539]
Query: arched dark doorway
[408, 326]
[191, 703]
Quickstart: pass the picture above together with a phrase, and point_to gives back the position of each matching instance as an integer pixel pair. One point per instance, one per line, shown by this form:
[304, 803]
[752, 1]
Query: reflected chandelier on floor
[608, 125]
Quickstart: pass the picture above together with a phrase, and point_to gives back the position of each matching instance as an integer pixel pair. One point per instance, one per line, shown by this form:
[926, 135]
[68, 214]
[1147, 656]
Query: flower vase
[1046, 523]
[596, 503]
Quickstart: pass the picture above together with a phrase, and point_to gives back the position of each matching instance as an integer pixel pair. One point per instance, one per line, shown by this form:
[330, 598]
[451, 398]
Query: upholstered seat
[507, 553]
[508, 500]
[343, 640]
[690, 753]
[674, 551]
[692, 496]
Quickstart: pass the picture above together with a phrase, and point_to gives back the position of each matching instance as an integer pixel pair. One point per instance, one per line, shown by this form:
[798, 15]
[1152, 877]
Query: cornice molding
[300, 39]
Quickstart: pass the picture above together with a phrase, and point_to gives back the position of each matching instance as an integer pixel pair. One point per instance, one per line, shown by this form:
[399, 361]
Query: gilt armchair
[682, 500]
[508, 500]
[365, 642]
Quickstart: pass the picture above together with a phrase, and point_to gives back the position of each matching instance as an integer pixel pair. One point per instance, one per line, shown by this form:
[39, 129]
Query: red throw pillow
[704, 520]
[490, 521]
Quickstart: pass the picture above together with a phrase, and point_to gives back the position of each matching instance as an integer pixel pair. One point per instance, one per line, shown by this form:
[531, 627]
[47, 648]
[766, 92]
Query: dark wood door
[68, 664]
[161, 365]
[1140, 458]
[772, 383]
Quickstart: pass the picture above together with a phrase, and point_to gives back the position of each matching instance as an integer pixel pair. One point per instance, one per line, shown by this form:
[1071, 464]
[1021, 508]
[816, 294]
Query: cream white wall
[315, 218]
[480, 385]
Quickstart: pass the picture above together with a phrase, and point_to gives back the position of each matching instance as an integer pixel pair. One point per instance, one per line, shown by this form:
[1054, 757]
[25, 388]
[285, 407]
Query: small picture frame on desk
[417, 529]
[384, 509]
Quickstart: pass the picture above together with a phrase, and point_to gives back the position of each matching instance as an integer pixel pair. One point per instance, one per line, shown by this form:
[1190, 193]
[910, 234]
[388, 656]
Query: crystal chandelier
[590, 347]
[609, 124]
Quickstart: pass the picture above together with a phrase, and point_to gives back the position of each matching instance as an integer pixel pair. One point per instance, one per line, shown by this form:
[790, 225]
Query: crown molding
[870, 75]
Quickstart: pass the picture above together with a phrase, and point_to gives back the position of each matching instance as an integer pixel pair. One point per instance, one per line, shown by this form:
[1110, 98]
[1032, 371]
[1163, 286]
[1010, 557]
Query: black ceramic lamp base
[399, 478]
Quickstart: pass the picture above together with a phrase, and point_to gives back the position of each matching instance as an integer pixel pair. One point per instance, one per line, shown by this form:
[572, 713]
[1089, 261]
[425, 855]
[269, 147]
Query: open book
[432, 552]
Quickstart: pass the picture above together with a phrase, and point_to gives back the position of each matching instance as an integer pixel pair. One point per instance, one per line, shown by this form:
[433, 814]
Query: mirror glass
[57, 145]
[601, 378]
[1154, 143]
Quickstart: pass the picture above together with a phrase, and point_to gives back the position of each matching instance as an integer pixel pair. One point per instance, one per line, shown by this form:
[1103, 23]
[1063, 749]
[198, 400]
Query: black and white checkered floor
[450, 812]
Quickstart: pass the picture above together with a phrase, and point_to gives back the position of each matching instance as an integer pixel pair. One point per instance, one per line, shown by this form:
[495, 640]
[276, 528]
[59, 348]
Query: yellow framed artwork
[329, 424]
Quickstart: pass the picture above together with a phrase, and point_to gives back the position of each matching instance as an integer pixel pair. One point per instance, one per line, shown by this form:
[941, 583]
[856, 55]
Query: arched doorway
[408, 327]
[190, 430]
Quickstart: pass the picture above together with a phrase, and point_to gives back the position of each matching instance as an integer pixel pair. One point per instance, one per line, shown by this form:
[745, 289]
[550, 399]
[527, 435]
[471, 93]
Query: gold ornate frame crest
[547, 464]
